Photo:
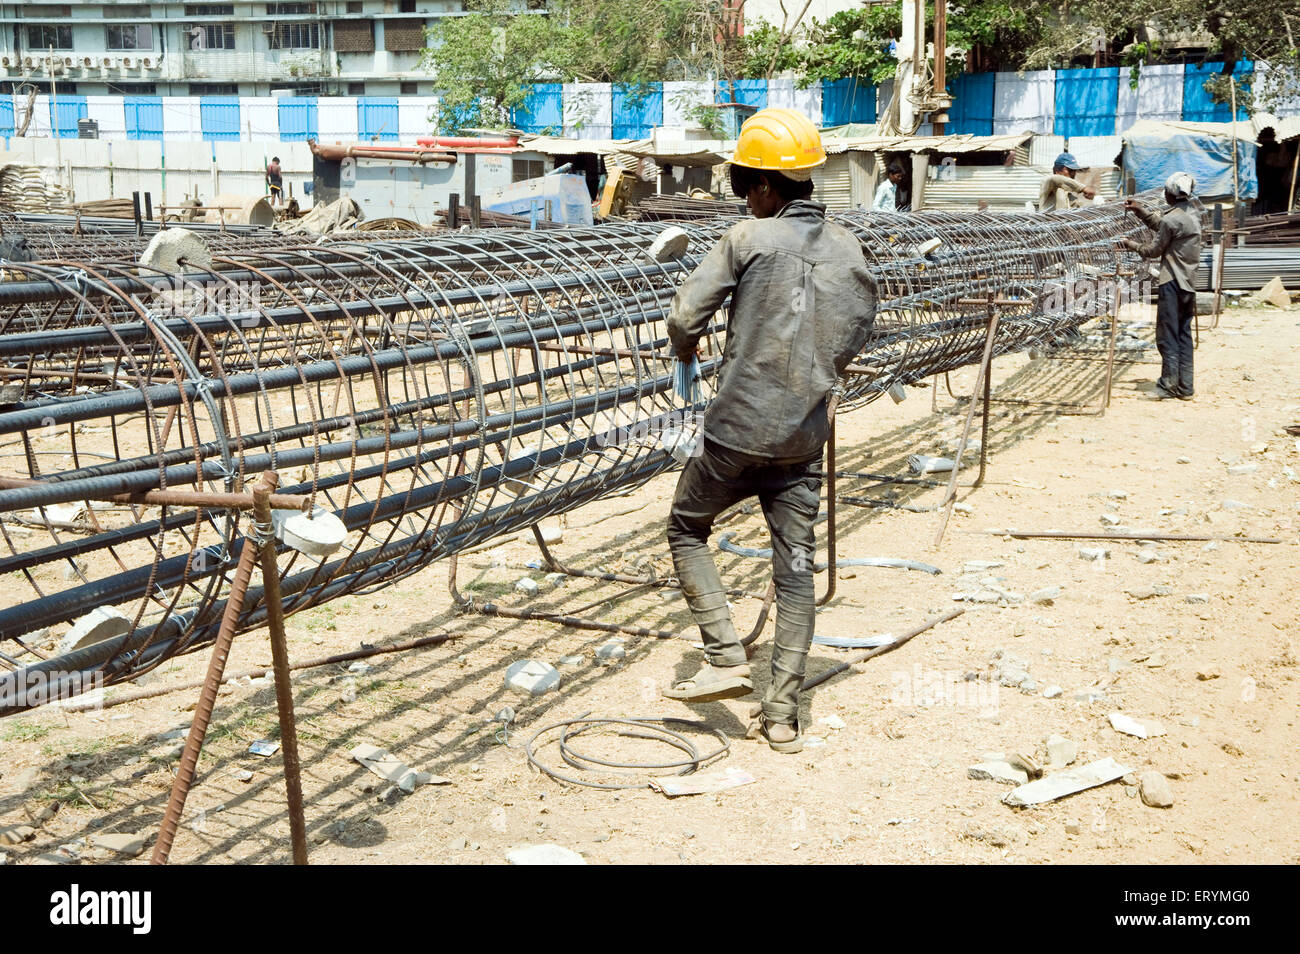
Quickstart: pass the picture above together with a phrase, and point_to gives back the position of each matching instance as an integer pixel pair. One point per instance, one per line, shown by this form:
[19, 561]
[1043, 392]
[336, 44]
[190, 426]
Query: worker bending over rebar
[802, 306]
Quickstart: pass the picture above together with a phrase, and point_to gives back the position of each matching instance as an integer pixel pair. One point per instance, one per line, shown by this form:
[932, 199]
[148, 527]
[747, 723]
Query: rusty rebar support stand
[280, 662]
[981, 384]
[258, 547]
[208, 697]
[831, 573]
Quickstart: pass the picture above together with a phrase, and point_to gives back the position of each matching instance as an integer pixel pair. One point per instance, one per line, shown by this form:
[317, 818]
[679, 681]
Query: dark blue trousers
[1175, 313]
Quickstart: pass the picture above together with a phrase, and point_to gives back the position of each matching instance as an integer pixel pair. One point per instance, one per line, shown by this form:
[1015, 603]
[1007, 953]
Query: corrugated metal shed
[832, 183]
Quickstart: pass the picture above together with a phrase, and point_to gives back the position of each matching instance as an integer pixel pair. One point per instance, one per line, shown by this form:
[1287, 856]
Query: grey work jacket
[802, 305]
[1177, 243]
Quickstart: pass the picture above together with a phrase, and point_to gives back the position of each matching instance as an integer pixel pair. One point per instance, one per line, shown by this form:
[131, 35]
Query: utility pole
[940, 61]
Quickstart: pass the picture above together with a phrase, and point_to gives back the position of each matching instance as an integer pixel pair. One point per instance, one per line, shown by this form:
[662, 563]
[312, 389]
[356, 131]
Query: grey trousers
[790, 493]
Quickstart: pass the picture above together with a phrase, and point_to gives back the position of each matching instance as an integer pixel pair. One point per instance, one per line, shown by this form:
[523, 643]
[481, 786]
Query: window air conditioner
[147, 63]
[128, 63]
[4, 61]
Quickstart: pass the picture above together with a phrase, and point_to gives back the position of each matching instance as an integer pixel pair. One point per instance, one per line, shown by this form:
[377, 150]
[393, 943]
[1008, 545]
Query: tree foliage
[484, 62]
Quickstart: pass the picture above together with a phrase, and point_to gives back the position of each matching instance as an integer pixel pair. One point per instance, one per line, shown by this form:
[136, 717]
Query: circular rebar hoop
[431, 391]
[649, 728]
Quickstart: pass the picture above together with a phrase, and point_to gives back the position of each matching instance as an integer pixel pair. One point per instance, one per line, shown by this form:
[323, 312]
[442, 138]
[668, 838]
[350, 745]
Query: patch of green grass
[70, 794]
[22, 731]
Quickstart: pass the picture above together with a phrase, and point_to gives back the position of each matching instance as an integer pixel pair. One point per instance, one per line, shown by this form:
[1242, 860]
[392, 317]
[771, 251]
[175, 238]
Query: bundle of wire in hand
[686, 379]
[651, 729]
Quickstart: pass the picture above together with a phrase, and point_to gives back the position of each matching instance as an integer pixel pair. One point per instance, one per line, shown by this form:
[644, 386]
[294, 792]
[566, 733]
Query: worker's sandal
[712, 683]
[786, 739]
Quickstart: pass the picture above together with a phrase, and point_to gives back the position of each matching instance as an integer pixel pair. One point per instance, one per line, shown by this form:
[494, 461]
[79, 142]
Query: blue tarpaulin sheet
[1198, 106]
[298, 119]
[637, 110]
[1087, 102]
[144, 117]
[6, 117]
[219, 116]
[377, 118]
[1155, 151]
[972, 104]
[64, 113]
[848, 100]
[543, 111]
[746, 92]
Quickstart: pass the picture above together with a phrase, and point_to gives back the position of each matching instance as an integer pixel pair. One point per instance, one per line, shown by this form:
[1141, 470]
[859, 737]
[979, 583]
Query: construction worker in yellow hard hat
[802, 302]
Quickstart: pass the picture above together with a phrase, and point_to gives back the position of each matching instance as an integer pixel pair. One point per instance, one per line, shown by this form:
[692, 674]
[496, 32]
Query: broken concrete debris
[1060, 751]
[1060, 784]
[532, 676]
[1139, 728]
[391, 769]
[544, 855]
[1155, 790]
[1003, 772]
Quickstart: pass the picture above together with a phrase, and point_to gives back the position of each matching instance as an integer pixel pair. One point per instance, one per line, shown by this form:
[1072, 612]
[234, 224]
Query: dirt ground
[1197, 636]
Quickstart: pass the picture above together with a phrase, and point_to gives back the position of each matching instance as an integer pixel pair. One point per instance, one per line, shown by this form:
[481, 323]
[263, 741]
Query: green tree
[484, 62]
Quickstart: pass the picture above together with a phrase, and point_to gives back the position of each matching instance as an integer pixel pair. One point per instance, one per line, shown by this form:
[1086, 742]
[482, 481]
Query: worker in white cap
[1058, 189]
[802, 302]
[1177, 243]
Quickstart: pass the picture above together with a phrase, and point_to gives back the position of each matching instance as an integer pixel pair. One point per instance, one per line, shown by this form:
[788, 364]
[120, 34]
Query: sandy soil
[892, 785]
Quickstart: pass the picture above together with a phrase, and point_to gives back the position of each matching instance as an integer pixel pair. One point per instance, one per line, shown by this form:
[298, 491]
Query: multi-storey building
[326, 47]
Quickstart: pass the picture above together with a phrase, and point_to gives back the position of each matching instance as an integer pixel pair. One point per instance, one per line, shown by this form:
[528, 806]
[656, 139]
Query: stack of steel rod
[430, 392]
[684, 208]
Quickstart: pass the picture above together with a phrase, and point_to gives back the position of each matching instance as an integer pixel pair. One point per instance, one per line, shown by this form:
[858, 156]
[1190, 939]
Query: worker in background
[895, 193]
[1177, 243]
[802, 302]
[1058, 189]
[275, 181]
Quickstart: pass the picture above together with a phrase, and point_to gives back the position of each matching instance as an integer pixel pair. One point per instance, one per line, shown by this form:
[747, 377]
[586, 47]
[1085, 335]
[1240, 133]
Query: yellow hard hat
[780, 140]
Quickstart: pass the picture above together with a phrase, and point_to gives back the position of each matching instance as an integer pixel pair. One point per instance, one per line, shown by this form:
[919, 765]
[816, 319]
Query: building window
[294, 36]
[214, 89]
[354, 36]
[211, 36]
[124, 11]
[521, 169]
[410, 89]
[45, 37]
[404, 36]
[38, 11]
[356, 89]
[209, 9]
[289, 9]
[354, 6]
[406, 6]
[133, 89]
[132, 37]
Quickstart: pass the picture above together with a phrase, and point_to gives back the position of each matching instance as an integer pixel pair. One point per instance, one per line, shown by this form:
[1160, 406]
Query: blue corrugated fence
[377, 118]
[219, 116]
[1086, 102]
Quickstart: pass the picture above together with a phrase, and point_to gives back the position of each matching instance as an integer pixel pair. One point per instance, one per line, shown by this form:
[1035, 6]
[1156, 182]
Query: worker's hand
[1089, 193]
[1127, 243]
[1132, 205]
